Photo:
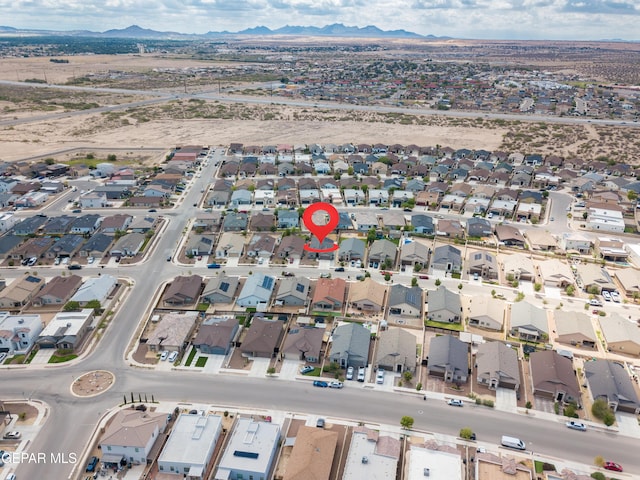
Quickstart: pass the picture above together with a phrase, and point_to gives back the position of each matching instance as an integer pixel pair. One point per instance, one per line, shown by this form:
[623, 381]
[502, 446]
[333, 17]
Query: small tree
[598, 461]
[417, 267]
[537, 287]
[414, 282]
[598, 476]
[72, 306]
[570, 290]
[406, 422]
[466, 433]
[271, 371]
[419, 387]
[387, 277]
[460, 286]
[407, 375]
[111, 157]
[438, 282]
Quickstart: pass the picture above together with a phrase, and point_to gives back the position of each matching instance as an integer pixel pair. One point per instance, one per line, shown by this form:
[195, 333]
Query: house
[422, 224]
[350, 345]
[58, 291]
[329, 294]
[312, 454]
[33, 247]
[95, 288]
[594, 278]
[553, 377]
[220, 289]
[128, 245]
[250, 451]
[396, 350]
[230, 245]
[555, 273]
[184, 290]
[621, 335]
[8, 243]
[497, 366]
[487, 313]
[541, 240]
[65, 246]
[574, 328]
[67, 330]
[303, 343]
[20, 292]
[449, 359]
[94, 200]
[172, 332]
[576, 242]
[18, 333]
[610, 381]
[447, 258]
[235, 222]
[381, 452]
[200, 244]
[241, 198]
[208, 221]
[261, 245]
[291, 246]
[96, 246]
[256, 291]
[262, 222]
[382, 252]
[189, 449]
[483, 263]
[351, 249]
[479, 227]
[263, 338]
[629, 281]
[605, 220]
[30, 225]
[529, 322]
[143, 224]
[115, 223]
[293, 291]
[131, 435]
[405, 301]
[216, 334]
[7, 221]
[444, 305]
[288, 219]
[414, 253]
[519, 267]
[368, 295]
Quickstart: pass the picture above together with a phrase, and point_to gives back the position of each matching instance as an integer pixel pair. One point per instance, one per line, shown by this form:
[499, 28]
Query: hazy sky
[526, 19]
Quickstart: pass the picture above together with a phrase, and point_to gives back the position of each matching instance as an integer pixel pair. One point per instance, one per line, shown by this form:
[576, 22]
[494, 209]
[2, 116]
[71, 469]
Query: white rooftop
[364, 462]
[192, 440]
[441, 465]
[71, 322]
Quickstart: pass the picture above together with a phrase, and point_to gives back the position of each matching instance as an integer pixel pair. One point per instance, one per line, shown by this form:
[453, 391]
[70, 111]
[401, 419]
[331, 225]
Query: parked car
[164, 355]
[320, 423]
[77, 210]
[424, 277]
[361, 374]
[336, 384]
[90, 260]
[576, 426]
[614, 467]
[594, 302]
[173, 356]
[606, 295]
[380, 377]
[1, 455]
[12, 435]
[57, 261]
[320, 383]
[615, 296]
[32, 261]
[213, 265]
[74, 266]
[339, 269]
[454, 402]
[349, 375]
[152, 210]
[92, 464]
[325, 275]
[3, 355]
[307, 369]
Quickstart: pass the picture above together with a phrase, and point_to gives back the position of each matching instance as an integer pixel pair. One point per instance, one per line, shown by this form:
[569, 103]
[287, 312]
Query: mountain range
[135, 31]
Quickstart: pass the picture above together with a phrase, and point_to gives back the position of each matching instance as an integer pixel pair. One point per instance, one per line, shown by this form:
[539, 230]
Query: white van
[513, 442]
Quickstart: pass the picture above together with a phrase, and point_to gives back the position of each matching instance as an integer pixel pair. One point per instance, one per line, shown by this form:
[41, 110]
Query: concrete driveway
[289, 369]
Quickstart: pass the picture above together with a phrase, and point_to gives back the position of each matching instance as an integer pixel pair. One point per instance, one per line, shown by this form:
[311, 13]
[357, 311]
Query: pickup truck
[213, 265]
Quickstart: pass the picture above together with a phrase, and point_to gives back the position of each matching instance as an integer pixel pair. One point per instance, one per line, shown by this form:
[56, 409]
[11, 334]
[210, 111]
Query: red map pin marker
[321, 231]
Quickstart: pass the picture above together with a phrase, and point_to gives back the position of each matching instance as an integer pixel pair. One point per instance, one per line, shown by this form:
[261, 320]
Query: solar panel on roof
[300, 287]
[267, 283]
[224, 286]
[240, 453]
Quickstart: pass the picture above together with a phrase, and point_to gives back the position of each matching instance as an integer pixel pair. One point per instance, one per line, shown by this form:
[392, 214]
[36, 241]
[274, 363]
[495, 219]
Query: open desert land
[198, 120]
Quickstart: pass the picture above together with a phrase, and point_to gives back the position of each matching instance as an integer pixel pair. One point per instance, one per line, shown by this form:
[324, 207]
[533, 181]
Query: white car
[577, 426]
[90, 260]
[606, 295]
[454, 402]
[173, 356]
[56, 261]
[615, 297]
[361, 374]
[349, 373]
[336, 384]
[380, 377]
[164, 355]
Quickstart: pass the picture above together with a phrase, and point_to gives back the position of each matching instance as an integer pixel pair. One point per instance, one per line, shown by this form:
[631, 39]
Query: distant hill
[135, 31]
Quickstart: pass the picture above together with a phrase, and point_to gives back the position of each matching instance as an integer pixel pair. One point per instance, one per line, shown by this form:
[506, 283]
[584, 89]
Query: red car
[424, 277]
[612, 466]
